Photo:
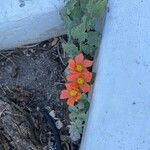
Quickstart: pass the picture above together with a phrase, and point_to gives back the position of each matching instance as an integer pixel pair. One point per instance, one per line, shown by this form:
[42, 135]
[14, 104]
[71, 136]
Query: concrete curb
[118, 116]
[21, 25]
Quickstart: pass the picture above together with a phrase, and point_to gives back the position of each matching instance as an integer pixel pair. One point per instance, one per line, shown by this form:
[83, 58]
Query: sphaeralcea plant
[80, 18]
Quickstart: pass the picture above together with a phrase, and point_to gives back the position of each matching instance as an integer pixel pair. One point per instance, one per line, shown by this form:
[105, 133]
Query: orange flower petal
[64, 94]
[72, 76]
[71, 86]
[78, 97]
[88, 76]
[87, 63]
[79, 59]
[85, 88]
[71, 64]
[71, 101]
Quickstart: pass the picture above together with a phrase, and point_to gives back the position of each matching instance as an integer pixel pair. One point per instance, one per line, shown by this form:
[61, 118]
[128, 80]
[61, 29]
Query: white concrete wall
[38, 20]
[120, 108]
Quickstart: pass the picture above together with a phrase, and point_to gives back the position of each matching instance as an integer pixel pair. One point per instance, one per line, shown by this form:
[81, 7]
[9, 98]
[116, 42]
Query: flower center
[73, 93]
[79, 68]
[80, 81]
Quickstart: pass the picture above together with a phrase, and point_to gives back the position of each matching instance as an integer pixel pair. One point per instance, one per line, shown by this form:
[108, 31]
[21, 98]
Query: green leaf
[80, 105]
[83, 4]
[78, 122]
[77, 13]
[93, 78]
[88, 49]
[71, 49]
[84, 97]
[84, 100]
[74, 133]
[82, 116]
[89, 22]
[96, 8]
[93, 38]
[73, 116]
[79, 32]
[72, 108]
[67, 21]
[70, 5]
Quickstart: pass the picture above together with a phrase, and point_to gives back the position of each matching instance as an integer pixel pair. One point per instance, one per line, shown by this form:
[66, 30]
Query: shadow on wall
[22, 3]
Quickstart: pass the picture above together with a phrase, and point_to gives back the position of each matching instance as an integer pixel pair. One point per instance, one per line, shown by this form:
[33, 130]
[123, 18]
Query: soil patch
[32, 77]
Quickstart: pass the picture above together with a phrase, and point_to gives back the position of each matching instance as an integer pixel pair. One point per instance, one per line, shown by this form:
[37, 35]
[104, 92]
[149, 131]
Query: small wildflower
[79, 64]
[82, 80]
[72, 93]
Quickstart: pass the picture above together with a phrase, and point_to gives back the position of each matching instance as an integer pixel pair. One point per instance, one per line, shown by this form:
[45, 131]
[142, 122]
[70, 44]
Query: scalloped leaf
[96, 7]
[79, 32]
[71, 49]
[93, 38]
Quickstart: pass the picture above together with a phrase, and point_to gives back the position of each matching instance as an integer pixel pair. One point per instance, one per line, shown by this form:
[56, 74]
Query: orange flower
[79, 64]
[82, 80]
[71, 93]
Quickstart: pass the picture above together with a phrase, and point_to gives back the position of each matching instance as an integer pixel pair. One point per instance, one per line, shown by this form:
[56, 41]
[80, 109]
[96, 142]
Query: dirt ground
[32, 77]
